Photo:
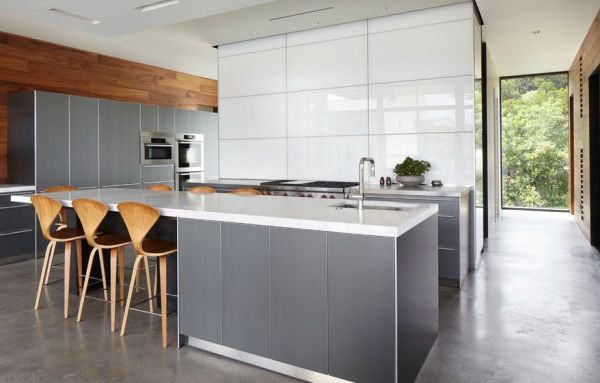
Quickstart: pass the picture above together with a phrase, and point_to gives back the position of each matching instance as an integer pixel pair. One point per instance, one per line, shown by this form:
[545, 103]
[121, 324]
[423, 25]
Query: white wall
[493, 126]
[308, 105]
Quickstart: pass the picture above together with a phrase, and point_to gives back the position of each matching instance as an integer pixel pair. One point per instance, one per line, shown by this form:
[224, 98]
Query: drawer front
[16, 218]
[448, 231]
[158, 173]
[5, 199]
[446, 205]
[448, 264]
[17, 246]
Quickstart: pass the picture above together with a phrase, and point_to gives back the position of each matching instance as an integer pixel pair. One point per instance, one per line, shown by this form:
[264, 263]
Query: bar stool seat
[157, 248]
[47, 209]
[108, 241]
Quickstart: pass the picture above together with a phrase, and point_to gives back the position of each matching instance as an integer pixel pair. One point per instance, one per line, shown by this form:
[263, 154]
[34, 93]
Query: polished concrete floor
[531, 313]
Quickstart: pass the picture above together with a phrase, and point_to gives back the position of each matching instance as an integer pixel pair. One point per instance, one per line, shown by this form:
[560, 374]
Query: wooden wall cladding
[28, 64]
[584, 64]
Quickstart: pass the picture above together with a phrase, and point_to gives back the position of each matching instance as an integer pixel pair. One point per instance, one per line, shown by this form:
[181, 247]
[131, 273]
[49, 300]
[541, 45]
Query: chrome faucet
[361, 178]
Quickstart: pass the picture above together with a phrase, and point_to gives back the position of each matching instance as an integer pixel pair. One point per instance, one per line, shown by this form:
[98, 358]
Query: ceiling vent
[73, 16]
[301, 13]
[157, 5]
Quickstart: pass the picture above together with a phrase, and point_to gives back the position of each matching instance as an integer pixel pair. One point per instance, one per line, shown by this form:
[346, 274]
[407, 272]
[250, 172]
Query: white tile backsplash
[433, 51]
[451, 154]
[253, 158]
[252, 74]
[328, 64]
[253, 116]
[440, 105]
[326, 158]
[328, 112]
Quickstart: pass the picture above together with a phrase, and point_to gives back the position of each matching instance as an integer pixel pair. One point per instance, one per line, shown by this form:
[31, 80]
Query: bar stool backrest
[246, 191]
[159, 187]
[201, 189]
[46, 209]
[61, 188]
[91, 213]
[139, 219]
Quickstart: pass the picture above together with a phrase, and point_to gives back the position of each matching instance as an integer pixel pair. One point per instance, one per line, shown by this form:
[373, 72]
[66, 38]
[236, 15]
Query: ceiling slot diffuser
[301, 13]
[73, 16]
[157, 5]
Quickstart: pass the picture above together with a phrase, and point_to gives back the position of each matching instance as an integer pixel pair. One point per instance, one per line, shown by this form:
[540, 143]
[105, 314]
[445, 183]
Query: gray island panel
[245, 270]
[299, 298]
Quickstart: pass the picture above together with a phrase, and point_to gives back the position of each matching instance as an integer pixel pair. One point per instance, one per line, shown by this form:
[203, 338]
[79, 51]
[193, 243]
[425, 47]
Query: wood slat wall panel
[589, 52]
[29, 64]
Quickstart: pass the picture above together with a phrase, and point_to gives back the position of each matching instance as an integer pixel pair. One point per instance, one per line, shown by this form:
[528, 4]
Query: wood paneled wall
[28, 64]
[584, 64]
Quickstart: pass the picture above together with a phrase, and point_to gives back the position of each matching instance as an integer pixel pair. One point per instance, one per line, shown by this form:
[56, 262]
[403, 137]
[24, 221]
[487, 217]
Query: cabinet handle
[445, 216]
[15, 232]
[446, 248]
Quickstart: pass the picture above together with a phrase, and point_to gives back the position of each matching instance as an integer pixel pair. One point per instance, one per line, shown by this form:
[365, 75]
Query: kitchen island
[310, 288]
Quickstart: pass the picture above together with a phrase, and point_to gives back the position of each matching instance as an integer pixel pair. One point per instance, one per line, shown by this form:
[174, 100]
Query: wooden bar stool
[62, 223]
[47, 209]
[91, 213]
[159, 187]
[201, 189]
[246, 191]
[139, 219]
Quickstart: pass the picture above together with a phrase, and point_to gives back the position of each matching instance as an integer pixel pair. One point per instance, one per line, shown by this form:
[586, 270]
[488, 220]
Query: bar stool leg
[79, 265]
[103, 271]
[136, 267]
[163, 298]
[113, 288]
[47, 276]
[67, 276]
[148, 284]
[86, 282]
[122, 274]
[49, 250]
[155, 277]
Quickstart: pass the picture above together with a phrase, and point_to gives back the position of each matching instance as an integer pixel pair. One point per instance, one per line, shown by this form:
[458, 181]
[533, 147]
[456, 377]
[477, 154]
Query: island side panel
[361, 272]
[200, 279]
[299, 297]
[245, 287]
[417, 296]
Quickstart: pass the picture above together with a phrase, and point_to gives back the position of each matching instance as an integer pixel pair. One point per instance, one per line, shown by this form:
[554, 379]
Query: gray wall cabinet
[52, 140]
[149, 118]
[119, 143]
[207, 123]
[166, 119]
[83, 141]
[182, 121]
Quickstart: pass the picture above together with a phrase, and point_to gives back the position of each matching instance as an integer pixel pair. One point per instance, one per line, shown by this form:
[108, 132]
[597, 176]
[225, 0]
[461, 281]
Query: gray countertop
[12, 188]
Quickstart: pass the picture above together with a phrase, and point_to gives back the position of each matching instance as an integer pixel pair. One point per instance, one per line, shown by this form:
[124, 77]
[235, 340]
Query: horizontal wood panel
[29, 64]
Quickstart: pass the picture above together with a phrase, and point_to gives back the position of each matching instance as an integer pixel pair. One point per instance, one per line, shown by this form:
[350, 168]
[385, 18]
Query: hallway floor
[531, 313]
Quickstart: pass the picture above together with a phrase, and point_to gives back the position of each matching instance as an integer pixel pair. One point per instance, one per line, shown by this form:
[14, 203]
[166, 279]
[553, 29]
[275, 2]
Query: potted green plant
[411, 172]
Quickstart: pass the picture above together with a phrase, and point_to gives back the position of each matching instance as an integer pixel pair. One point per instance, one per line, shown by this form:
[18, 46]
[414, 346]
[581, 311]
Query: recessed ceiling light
[535, 61]
[73, 16]
[157, 5]
[384, 9]
[253, 33]
[315, 23]
[536, 32]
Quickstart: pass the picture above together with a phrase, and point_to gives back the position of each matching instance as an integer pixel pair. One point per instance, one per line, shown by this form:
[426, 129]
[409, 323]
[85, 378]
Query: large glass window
[535, 141]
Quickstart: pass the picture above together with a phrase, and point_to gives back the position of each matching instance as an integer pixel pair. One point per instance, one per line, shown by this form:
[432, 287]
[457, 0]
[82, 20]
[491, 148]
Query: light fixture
[315, 23]
[384, 9]
[536, 32]
[253, 33]
[73, 16]
[157, 5]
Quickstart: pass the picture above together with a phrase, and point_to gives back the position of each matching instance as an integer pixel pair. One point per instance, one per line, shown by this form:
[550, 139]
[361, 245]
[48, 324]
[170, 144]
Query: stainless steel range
[310, 189]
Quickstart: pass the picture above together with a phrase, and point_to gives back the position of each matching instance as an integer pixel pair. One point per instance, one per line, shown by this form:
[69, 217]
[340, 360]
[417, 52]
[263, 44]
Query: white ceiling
[180, 37]
[516, 50]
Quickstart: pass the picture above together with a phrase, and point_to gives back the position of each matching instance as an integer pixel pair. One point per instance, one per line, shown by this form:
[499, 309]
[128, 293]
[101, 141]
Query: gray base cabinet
[360, 308]
[453, 237]
[17, 235]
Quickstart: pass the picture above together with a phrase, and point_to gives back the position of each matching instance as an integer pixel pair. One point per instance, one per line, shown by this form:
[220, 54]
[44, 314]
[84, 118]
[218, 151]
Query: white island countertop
[420, 190]
[289, 212]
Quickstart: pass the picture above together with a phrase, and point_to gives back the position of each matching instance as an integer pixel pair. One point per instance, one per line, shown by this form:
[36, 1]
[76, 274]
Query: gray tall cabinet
[59, 139]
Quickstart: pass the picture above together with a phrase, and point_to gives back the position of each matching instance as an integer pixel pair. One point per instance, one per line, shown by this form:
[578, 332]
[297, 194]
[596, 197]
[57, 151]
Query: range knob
[331, 197]
[301, 195]
[323, 196]
[285, 194]
[310, 196]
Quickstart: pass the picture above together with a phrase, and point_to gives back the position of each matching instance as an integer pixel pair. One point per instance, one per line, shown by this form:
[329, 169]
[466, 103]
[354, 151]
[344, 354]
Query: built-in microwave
[157, 148]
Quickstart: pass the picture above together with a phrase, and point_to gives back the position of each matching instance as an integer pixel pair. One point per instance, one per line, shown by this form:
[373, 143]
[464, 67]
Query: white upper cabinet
[253, 158]
[251, 46]
[252, 116]
[252, 74]
[437, 15]
[328, 112]
[432, 51]
[357, 28]
[328, 64]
